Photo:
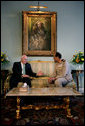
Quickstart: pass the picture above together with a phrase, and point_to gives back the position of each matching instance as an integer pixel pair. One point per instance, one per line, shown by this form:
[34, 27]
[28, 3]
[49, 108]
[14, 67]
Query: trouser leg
[60, 82]
[14, 82]
[26, 80]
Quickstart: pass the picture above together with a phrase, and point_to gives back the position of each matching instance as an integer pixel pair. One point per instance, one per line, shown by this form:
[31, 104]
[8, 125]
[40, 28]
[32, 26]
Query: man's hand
[51, 79]
[25, 75]
[40, 73]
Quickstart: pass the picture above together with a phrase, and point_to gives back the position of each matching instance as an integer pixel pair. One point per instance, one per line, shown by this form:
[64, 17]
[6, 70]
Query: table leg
[67, 107]
[18, 108]
[77, 78]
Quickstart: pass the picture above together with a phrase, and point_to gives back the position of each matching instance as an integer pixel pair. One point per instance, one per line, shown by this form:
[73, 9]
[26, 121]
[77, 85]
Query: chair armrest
[35, 78]
[7, 82]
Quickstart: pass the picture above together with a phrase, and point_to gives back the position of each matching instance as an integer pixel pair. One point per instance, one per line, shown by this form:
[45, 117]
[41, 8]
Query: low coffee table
[51, 91]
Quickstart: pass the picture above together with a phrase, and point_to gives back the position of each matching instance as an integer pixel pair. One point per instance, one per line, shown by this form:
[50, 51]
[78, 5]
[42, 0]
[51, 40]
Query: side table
[77, 76]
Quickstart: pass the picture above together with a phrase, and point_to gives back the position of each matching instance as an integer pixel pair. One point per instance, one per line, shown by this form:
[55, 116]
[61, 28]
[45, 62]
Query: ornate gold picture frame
[39, 33]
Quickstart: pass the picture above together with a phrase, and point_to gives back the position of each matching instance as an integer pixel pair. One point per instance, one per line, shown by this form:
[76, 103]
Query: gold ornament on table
[23, 87]
[78, 58]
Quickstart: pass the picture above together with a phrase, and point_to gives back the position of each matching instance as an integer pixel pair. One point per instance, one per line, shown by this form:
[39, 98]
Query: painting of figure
[39, 33]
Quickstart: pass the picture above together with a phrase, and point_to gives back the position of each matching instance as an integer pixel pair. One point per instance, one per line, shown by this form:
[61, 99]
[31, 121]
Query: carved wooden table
[52, 91]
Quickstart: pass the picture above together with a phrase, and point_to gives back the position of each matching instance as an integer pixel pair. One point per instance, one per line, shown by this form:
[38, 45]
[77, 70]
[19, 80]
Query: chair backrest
[47, 67]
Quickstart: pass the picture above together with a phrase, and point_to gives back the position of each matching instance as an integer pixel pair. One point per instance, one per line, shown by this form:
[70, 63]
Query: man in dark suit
[22, 72]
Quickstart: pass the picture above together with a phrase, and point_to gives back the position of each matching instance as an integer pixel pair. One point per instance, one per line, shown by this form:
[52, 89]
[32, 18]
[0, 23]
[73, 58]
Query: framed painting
[39, 33]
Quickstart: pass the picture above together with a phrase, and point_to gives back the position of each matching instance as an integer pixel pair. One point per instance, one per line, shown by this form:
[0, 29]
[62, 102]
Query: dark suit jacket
[17, 70]
[17, 74]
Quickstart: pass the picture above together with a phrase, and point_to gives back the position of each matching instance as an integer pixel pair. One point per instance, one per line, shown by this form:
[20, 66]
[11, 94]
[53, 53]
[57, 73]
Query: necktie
[24, 69]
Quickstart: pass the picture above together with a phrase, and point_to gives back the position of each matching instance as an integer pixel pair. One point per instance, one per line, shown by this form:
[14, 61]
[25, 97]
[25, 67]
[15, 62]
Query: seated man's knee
[61, 82]
[27, 80]
[58, 83]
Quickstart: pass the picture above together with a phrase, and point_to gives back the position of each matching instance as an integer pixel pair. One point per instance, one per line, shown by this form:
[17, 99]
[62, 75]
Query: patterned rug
[42, 117]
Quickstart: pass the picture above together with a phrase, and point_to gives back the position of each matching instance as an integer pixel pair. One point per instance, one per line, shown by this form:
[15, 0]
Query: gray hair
[23, 56]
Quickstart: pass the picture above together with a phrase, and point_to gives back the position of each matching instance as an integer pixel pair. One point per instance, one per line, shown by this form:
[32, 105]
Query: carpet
[42, 117]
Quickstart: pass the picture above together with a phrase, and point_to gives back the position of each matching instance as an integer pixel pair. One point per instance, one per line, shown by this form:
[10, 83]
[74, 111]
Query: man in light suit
[22, 72]
[62, 74]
